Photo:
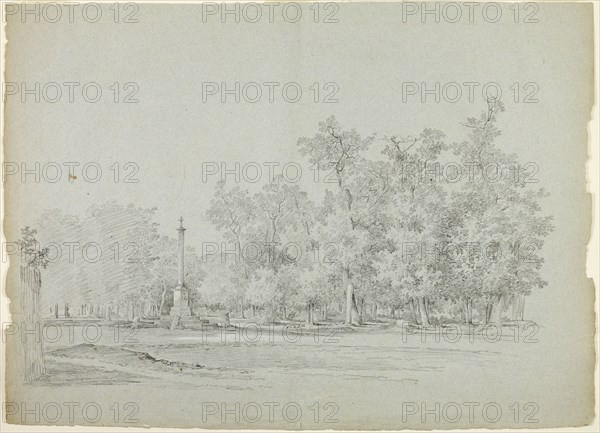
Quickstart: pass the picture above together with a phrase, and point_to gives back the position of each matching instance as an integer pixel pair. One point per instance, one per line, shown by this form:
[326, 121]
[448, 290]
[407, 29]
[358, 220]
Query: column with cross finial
[181, 305]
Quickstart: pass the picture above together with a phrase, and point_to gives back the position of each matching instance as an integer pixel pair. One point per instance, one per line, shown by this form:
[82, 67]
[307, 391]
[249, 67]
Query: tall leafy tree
[362, 185]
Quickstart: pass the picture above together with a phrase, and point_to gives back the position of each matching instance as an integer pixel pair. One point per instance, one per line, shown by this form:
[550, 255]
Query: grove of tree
[389, 236]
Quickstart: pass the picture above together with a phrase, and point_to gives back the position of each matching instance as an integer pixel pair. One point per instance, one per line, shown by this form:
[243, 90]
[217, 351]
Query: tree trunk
[423, 311]
[349, 303]
[521, 309]
[361, 311]
[356, 317]
[33, 349]
[227, 320]
[56, 310]
[517, 306]
[468, 309]
[485, 316]
[496, 308]
[352, 314]
[163, 297]
[325, 311]
[413, 309]
[309, 314]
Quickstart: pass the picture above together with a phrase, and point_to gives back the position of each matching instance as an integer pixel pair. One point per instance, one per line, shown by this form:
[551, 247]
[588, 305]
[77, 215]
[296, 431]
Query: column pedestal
[181, 305]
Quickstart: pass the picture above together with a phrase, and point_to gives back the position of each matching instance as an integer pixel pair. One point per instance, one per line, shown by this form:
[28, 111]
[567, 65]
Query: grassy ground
[289, 376]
